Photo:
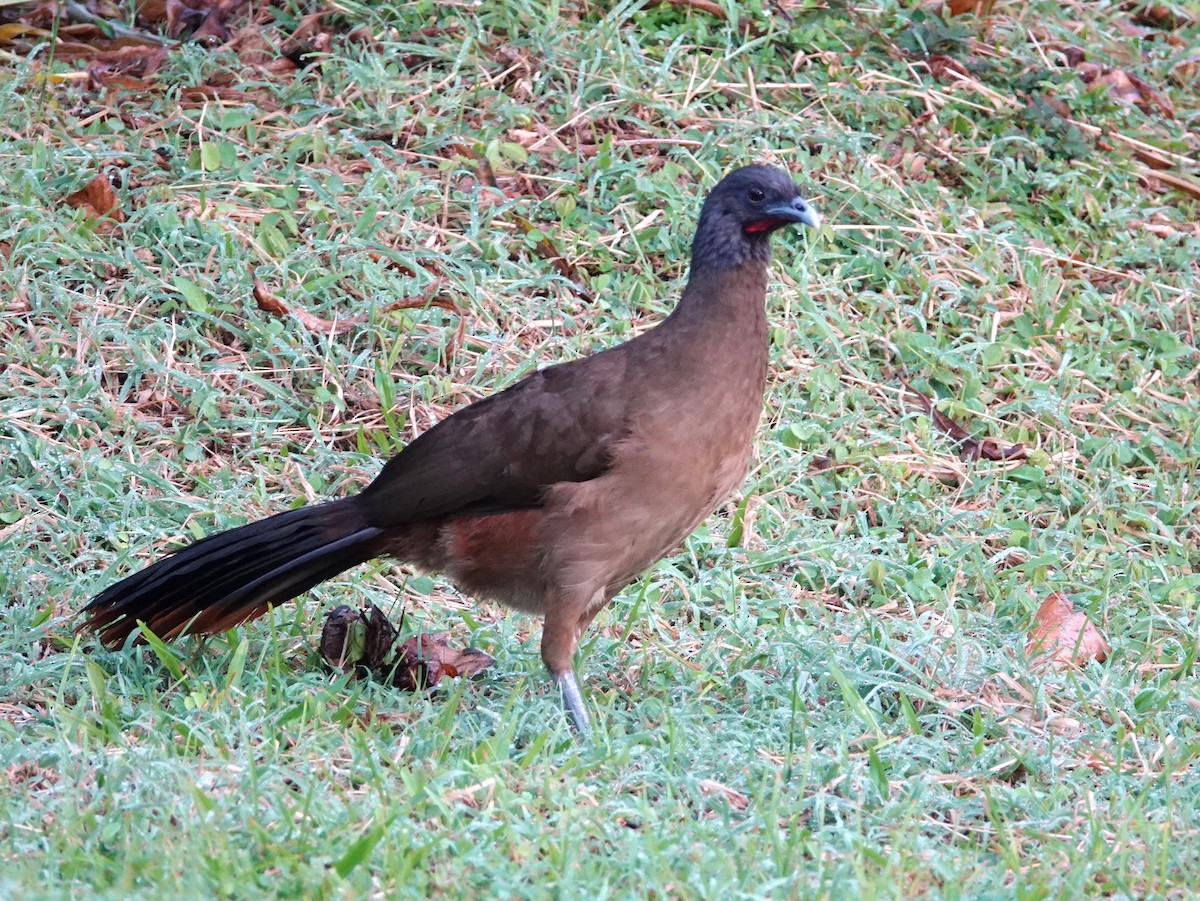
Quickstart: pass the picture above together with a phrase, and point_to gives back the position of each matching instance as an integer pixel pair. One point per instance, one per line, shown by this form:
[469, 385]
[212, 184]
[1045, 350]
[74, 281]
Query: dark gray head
[742, 211]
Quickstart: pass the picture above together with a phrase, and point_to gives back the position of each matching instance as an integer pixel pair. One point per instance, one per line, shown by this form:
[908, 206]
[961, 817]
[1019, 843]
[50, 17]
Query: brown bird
[549, 497]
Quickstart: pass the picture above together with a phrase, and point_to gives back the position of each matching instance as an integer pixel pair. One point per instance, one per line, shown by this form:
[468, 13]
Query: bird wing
[500, 453]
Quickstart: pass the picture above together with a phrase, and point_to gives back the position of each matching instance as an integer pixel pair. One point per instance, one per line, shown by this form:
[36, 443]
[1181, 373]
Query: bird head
[742, 212]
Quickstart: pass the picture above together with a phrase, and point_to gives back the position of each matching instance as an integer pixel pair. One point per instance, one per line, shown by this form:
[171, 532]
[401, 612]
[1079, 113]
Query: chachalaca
[549, 496]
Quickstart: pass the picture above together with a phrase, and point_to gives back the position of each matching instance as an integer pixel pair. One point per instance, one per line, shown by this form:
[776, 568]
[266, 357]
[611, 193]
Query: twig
[80, 13]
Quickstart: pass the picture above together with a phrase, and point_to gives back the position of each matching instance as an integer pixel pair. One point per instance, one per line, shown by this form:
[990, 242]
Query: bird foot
[572, 699]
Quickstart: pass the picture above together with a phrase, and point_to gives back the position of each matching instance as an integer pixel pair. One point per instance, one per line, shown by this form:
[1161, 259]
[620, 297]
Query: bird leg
[566, 620]
[572, 699]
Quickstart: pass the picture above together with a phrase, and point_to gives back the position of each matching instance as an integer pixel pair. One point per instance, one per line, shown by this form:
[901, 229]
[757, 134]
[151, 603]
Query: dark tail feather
[234, 576]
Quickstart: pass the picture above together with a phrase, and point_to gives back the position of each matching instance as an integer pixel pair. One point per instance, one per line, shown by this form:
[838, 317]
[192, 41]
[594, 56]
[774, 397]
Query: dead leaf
[945, 68]
[1062, 636]
[365, 642]
[152, 11]
[205, 19]
[420, 303]
[182, 16]
[468, 796]
[962, 7]
[1125, 86]
[99, 201]
[126, 67]
[1157, 15]
[12, 31]
[1151, 157]
[270, 303]
[362, 35]
[1186, 71]
[204, 93]
[733, 797]
[969, 448]
[267, 301]
[704, 6]
[1178, 182]
[306, 45]
[424, 659]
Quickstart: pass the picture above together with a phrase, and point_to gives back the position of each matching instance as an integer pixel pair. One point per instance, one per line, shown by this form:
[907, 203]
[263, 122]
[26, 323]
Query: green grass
[838, 705]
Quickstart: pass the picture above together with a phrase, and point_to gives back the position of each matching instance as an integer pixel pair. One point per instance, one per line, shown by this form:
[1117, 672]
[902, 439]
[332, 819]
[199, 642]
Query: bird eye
[756, 195]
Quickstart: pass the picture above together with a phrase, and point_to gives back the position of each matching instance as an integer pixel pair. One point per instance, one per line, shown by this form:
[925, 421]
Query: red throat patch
[762, 225]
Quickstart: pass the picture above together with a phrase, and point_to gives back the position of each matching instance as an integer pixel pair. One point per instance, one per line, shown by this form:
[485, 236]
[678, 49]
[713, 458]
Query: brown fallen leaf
[1062, 636]
[364, 642]
[152, 11]
[1178, 182]
[945, 68]
[270, 303]
[127, 68]
[1158, 15]
[182, 16]
[962, 7]
[307, 43]
[424, 659]
[1150, 156]
[1186, 71]
[1124, 85]
[732, 796]
[267, 301]
[204, 93]
[969, 447]
[99, 201]
[704, 6]
[207, 20]
[420, 303]
[469, 796]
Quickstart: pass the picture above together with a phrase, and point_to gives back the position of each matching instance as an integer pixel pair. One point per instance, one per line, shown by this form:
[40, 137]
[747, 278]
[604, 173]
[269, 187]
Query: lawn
[826, 693]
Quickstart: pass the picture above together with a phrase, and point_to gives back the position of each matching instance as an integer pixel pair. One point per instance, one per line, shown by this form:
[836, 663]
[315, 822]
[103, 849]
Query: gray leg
[567, 616]
[573, 701]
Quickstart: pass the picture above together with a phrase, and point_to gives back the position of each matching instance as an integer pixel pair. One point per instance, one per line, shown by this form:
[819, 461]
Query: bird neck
[724, 296]
[722, 243]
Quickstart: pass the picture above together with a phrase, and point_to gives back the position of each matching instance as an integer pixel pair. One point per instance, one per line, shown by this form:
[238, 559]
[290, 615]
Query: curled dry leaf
[1186, 71]
[363, 641]
[99, 201]
[201, 94]
[126, 67]
[1121, 83]
[469, 796]
[424, 659]
[1063, 636]
[704, 6]
[270, 303]
[962, 7]
[732, 796]
[205, 19]
[1178, 182]
[969, 447]
[1159, 15]
[308, 42]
